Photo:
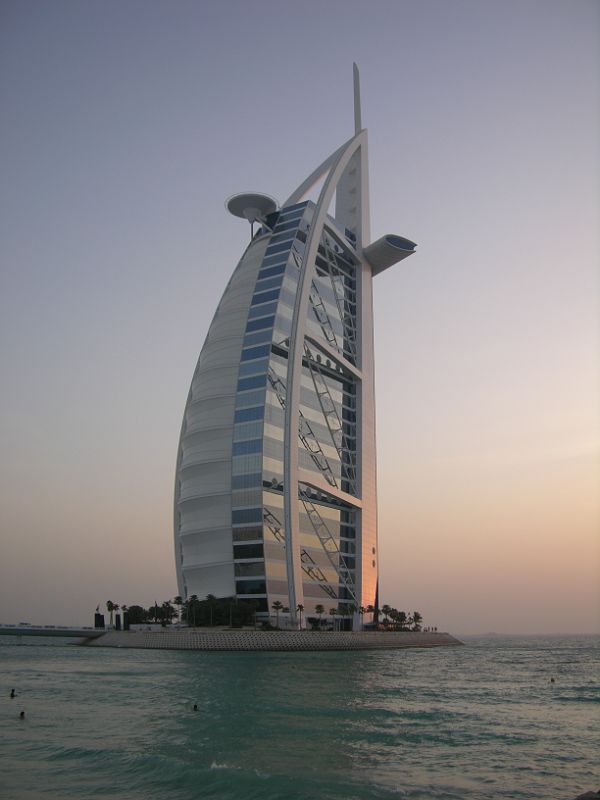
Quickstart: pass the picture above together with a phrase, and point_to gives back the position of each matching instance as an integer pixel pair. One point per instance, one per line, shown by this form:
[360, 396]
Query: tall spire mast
[357, 120]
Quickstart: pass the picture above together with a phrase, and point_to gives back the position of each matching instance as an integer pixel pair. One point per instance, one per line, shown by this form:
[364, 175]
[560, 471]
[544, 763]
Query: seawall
[196, 639]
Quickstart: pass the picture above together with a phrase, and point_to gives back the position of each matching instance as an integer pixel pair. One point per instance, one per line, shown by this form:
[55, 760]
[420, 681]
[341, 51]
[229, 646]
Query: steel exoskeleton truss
[345, 174]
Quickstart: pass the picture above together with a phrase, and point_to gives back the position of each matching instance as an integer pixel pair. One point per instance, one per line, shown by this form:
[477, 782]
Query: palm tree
[233, 603]
[343, 611]
[192, 607]
[253, 606]
[320, 610]
[362, 611]
[277, 607]
[137, 615]
[167, 612]
[386, 610]
[178, 601]
[211, 599]
[300, 609]
[402, 620]
[350, 611]
[333, 612]
[110, 607]
[417, 620]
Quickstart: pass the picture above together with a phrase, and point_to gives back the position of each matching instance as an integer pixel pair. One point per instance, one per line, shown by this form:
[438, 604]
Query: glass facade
[326, 441]
[257, 455]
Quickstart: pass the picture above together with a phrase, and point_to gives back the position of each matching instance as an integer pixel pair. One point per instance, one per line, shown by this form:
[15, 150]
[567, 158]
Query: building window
[247, 448]
[251, 383]
[245, 515]
[251, 414]
[252, 570]
[247, 534]
[251, 353]
[259, 324]
[251, 587]
[246, 481]
[248, 551]
[260, 311]
[265, 297]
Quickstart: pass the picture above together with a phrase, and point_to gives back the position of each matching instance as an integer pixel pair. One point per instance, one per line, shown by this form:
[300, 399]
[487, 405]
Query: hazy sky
[124, 126]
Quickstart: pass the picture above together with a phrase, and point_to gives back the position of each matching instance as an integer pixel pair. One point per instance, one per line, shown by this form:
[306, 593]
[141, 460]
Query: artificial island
[275, 506]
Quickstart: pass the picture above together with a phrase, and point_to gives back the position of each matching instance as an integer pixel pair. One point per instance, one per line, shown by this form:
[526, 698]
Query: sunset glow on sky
[125, 126]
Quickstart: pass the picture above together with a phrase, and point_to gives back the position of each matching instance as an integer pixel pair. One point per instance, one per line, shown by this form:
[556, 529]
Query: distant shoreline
[251, 640]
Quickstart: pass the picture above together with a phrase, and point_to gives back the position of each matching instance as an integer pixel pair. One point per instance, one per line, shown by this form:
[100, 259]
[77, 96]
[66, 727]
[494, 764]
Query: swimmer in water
[12, 694]
[22, 715]
[195, 707]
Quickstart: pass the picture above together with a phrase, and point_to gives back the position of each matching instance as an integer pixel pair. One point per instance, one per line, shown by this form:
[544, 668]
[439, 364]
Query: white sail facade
[275, 494]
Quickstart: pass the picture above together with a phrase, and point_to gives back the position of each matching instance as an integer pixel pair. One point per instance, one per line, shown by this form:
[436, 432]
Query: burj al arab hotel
[275, 489]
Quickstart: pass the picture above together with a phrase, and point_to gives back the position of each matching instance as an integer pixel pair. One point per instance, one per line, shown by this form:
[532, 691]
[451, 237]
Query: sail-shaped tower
[275, 490]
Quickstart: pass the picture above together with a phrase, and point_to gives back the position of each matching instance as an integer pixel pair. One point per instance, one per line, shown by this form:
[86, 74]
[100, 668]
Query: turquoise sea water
[479, 721]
